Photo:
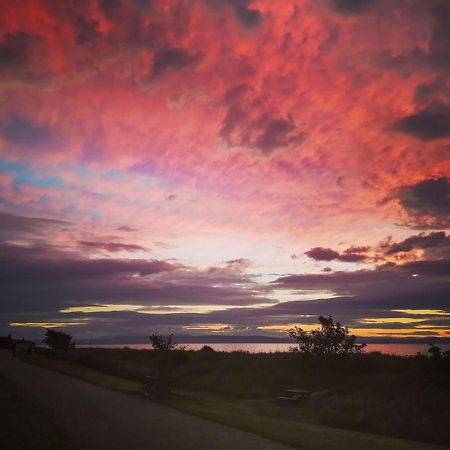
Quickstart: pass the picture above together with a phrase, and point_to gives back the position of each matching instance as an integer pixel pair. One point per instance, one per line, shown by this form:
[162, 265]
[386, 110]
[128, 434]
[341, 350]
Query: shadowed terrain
[96, 418]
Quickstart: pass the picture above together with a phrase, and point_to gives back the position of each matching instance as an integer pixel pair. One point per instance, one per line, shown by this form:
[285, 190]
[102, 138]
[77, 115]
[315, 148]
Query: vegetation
[164, 344]
[405, 397]
[160, 386]
[57, 340]
[330, 339]
[261, 416]
[436, 353]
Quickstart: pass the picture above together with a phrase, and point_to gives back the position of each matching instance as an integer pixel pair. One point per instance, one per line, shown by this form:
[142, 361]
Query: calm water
[393, 349]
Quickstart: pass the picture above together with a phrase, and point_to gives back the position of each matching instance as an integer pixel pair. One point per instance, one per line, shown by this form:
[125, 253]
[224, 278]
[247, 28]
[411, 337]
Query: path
[100, 419]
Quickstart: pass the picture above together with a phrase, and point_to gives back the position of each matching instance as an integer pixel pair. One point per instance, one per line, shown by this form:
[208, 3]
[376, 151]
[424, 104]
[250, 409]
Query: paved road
[99, 419]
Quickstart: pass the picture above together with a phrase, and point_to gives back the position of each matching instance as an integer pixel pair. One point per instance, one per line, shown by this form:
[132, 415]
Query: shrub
[57, 340]
[330, 339]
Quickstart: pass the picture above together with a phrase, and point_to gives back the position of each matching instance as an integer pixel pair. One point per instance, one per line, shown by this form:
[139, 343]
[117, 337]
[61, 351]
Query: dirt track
[96, 418]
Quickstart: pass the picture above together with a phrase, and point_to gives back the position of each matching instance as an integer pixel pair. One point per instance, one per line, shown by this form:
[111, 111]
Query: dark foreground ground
[404, 397]
[53, 411]
[67, 413]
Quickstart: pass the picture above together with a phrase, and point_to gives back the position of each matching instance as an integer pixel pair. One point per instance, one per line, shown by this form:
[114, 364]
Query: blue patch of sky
[24, 174]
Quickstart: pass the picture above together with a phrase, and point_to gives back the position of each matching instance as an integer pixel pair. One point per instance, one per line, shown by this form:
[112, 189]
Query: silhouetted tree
[207, 349]
[57, 340]
[436, 352]
[162, 343]
[330, 339]
[164, 346]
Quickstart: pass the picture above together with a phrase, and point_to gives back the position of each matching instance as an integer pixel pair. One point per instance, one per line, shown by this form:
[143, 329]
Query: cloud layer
[239, 163]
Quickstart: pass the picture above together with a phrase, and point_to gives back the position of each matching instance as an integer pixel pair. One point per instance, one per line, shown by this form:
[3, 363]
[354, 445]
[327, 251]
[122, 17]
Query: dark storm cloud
[351, 254]
[352, 6]
[109, 7]
[126, 228]
[430, 123]
[111, 247]
[428, 199]
[23, 224]
[86, 30]
[247, 16]
[37, 282]
[322, 254]
[46, 263]
[172, 58]
[265, 134]
[348, 308]
[276, 133]
[439, 54]
[45, 278]
[22, 131]
[420, 241]
[14, 50]
[432, 268]
[435, 244]
[386, 280]
[427, 92]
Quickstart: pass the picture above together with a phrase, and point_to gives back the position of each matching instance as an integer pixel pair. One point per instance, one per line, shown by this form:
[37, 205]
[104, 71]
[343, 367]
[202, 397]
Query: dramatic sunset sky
[224, 166]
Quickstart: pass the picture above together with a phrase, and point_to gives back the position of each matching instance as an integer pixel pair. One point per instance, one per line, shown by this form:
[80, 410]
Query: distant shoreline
[396, 349]
[212, 339]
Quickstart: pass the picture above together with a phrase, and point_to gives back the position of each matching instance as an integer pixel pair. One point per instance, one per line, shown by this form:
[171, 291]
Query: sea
[401, 349]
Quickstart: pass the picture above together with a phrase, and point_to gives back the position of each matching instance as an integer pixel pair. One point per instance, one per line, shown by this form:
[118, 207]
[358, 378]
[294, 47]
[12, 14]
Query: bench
[150, 385]
[293, 396]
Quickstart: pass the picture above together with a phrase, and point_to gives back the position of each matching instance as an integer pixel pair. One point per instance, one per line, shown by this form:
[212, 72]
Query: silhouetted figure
[11, 345]
[8, 343]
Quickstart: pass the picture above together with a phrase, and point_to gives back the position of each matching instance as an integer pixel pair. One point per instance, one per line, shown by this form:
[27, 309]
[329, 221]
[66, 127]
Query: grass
[252, 416]
[382, 395]
[24, 425]
[83, 373]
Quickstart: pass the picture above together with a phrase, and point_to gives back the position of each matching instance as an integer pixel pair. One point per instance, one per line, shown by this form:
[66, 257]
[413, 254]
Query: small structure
[8, 343]
[151, 386]
[293, 396]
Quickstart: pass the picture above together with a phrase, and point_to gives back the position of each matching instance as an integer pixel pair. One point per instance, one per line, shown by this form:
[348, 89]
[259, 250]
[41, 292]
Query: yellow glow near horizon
[286, 327]
[438, 330]
[213, 327]
[290, 295]
[423, 312]
[100, 308]
[194, 309]
[391, 320]
[45, 324]
[403, 332]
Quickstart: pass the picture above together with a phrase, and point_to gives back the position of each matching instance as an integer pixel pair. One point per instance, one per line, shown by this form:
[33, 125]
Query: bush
[57, 340]
[330, 339]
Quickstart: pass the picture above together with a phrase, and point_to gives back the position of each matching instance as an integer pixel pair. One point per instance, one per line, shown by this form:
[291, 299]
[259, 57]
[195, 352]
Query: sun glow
[100, 308]
[212, 327]
[391, 320]
[286, 327]
[423, 312]
[45, 324]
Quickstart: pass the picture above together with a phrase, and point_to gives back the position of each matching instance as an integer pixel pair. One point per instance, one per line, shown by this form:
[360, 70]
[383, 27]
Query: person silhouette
[11, 345]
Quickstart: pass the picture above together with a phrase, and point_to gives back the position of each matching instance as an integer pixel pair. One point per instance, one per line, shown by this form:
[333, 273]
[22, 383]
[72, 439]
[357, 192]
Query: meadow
[404, 397]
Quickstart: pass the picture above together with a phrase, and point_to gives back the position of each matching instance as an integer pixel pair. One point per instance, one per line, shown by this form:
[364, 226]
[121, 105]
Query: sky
[227, 167]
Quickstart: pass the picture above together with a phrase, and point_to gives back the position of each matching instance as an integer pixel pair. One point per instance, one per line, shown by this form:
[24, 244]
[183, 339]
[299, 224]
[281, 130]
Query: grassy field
[25, 426]
[377, 394]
